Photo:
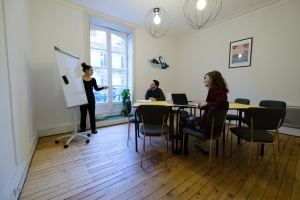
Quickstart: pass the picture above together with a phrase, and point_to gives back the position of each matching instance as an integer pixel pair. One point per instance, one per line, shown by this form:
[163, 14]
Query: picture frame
[240, 53]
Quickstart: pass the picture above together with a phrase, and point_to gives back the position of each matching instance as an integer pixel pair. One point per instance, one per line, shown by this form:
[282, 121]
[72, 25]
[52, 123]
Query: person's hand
[152, 99]
[105, 87]
[201, 105]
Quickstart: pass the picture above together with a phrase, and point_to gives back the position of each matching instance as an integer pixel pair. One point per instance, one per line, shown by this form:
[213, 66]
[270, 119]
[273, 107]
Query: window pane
[118, 61]
[116, 94]
[98, 39]
[98, 58]
[117, 43]
[119, 77]
[101, 77]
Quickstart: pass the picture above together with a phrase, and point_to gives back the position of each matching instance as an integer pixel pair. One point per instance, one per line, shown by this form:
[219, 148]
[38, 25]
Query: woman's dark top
[89, 86]
[216, 97]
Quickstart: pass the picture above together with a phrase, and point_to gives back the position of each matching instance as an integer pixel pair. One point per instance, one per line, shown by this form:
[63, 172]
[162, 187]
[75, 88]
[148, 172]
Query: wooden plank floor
[107, 168]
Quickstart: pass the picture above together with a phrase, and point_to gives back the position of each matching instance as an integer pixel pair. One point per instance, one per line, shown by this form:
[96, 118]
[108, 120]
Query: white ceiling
[134, 11]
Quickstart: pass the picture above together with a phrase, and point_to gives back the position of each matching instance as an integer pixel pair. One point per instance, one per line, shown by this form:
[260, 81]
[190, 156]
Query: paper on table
[143, 101]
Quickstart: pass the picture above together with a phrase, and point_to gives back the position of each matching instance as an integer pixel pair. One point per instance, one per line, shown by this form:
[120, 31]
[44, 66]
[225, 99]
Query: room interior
[32, 99]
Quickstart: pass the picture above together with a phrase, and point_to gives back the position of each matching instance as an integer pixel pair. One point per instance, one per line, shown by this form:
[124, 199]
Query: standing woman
[89, 83]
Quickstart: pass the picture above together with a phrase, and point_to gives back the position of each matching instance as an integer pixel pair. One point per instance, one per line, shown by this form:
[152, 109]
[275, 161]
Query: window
[108, 56]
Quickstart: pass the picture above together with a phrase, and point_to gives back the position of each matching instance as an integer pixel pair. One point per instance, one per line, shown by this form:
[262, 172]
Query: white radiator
[292, 118]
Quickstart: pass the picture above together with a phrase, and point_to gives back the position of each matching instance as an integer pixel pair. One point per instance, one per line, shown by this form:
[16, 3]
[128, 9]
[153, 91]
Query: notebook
[181, 99]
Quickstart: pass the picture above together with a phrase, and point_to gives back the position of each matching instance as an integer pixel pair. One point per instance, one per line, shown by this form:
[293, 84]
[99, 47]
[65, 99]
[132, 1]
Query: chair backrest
[153, 114]
[272, 104]
[216, 117]
[264, 118]
[242, 101]
[128, 106]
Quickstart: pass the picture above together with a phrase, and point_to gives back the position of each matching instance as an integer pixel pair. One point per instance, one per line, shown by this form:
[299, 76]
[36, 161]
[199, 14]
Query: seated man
[154, 93]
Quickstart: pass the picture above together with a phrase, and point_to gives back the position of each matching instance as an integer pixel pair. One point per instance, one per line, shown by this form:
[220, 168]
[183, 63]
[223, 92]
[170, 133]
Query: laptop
[181, 99]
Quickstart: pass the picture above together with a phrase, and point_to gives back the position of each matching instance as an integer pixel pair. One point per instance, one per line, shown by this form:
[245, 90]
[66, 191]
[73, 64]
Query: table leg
[240, 123]
[262, 148]
[136, 131]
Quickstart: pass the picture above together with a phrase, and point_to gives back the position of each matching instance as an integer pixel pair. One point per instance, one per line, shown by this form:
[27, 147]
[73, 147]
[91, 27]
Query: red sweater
[216, 97]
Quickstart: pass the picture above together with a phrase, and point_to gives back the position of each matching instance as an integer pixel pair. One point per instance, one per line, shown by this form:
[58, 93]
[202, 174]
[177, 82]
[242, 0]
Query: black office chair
[154, 124]
[215, 118]
[235, 117]
[274, 104]
[131, 119]
[259, 121]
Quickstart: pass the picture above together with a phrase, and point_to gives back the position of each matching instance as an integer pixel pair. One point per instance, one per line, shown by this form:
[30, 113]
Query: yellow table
[141, 102]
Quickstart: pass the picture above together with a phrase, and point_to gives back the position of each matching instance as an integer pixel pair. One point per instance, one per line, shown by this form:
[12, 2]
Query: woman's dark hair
[217, 79]
[85, 67]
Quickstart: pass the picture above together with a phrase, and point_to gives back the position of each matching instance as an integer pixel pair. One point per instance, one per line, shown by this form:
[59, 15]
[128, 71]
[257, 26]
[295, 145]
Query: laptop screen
[180, 99]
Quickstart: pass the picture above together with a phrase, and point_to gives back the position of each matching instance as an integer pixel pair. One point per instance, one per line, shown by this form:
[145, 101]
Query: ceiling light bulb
[156, 19]
[201, 4]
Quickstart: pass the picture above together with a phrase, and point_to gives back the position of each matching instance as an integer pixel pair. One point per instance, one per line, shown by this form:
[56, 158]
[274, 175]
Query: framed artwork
[158, 63]
[240, 53]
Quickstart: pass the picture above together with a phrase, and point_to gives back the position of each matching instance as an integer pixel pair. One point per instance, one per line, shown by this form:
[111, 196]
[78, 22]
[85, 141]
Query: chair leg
[183, 136]
[143, 151]
[209, 156]
[257, 151]
[167, 145]
[277, 137]
[228, 126]
[230, 145]
[217, 147]
[249, 157]
[223, 147]
[164, 152]
[128, 137]
[275, 161]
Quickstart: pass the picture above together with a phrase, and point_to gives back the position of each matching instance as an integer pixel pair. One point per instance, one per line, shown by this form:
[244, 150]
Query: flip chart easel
[74, 92]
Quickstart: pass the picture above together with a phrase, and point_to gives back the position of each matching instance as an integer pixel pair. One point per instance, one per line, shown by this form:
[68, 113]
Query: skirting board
[290, 131]
[69, 129]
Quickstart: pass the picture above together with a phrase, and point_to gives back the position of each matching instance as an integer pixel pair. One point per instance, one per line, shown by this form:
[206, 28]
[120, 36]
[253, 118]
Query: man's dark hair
[156, 82]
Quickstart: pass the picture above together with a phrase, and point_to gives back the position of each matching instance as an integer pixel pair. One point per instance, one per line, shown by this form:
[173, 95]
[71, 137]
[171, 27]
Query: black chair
[215, 118]
[235, 117]
[259, 121]
[274, 104]
[131, 119]
[154, 124]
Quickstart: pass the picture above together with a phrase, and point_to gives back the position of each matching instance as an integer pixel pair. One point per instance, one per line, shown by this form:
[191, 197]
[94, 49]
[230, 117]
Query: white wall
[7, 156]
[18, 138]
[147, 48]
[274, 72]
[55, 23]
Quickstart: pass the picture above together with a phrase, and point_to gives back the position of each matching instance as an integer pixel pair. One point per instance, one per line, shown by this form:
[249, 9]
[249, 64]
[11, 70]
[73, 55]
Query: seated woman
[216, 97]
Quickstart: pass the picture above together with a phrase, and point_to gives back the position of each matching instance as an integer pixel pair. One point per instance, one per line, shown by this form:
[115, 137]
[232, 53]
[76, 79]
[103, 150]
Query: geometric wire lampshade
[157, 22]
[200, 14]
